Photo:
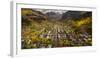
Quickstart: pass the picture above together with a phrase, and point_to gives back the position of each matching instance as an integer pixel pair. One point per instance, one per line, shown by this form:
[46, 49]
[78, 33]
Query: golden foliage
[83, 21]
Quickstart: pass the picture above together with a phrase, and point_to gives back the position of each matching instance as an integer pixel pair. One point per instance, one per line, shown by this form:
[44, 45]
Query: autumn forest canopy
[52, 28]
